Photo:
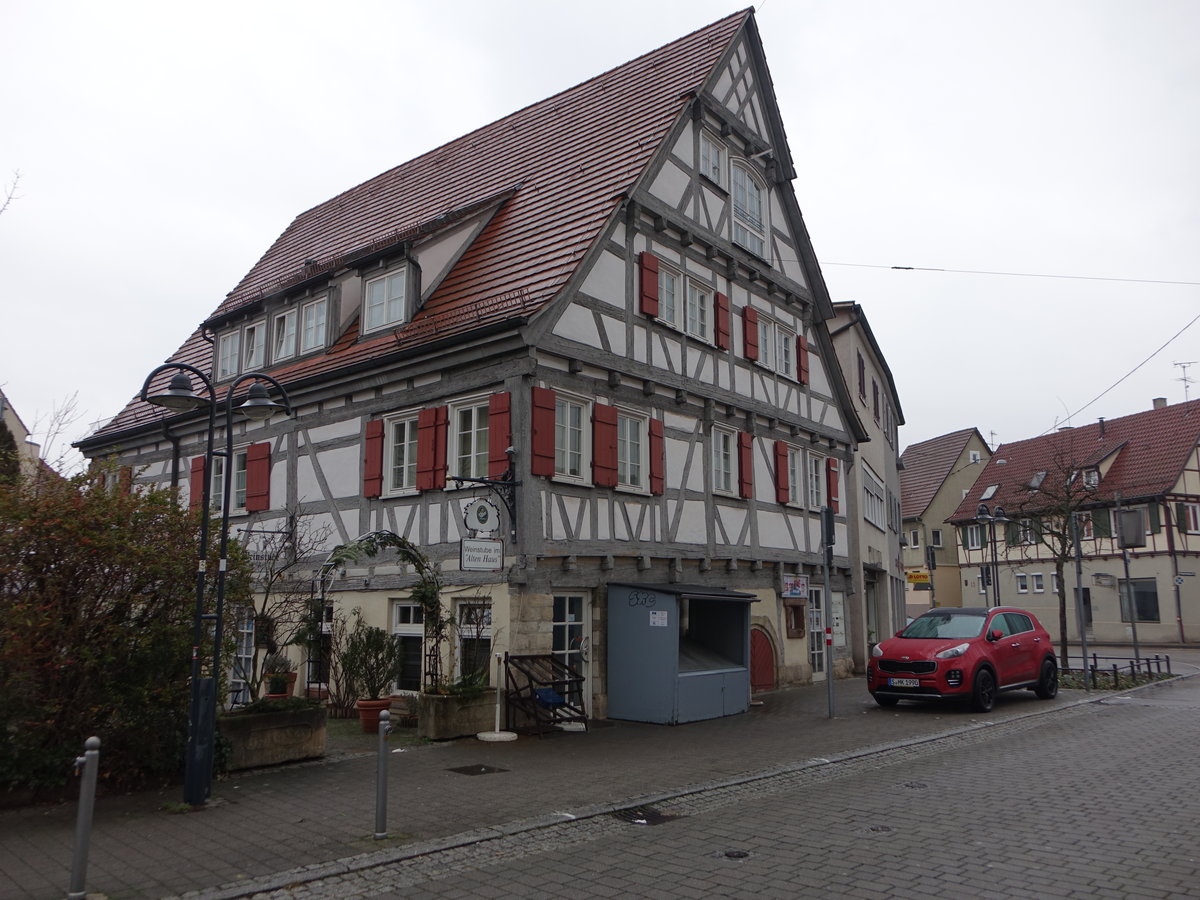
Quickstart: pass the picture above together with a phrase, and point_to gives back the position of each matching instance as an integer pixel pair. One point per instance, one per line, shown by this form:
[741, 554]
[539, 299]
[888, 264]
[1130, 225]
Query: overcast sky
[163, 146]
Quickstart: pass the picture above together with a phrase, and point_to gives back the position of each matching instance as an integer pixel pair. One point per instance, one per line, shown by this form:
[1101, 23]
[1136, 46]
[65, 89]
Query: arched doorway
[762, 661]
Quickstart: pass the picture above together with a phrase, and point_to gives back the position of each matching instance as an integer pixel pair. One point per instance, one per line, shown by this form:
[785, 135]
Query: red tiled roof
[1151, 449]
[566, 161]
[927, 465]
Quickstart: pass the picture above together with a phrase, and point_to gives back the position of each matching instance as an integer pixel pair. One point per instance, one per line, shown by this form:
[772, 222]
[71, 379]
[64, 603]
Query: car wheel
[983, 695]
[1047, 686]
[886, 701]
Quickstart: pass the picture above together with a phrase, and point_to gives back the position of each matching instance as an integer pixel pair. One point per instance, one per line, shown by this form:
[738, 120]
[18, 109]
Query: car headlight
[877, 651]
[952, 652]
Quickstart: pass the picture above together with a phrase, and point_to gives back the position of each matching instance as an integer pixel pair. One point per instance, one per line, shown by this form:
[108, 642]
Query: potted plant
[278, 664]
[277, 686]
[371, 660]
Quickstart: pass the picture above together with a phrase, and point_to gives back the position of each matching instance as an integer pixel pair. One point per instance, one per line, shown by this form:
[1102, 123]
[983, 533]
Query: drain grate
[642, 815]
[477, 770]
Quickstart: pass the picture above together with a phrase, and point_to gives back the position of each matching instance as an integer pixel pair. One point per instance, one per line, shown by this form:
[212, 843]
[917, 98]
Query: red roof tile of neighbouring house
[1148, 450]
[926, 466]
[558, 168]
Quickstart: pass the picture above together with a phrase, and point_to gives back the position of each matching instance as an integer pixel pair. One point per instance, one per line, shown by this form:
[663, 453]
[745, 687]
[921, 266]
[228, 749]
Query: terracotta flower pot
[368, 713]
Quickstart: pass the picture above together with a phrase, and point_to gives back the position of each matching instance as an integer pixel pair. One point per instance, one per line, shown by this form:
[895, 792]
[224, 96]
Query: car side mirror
[995, 634]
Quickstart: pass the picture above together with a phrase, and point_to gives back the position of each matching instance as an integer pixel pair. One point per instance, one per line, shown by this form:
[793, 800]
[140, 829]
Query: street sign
[481, 555]
[481, 515]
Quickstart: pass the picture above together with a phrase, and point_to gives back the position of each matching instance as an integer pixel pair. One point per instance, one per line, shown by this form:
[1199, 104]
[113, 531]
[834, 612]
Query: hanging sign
[481, 555]
[795, 586]
[481, 514]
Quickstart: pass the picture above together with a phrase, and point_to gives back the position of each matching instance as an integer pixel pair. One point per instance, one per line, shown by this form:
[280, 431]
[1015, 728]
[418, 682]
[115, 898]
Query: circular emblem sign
[481, 515]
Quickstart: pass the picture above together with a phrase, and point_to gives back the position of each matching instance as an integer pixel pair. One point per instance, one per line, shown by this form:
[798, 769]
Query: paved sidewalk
[278, 820]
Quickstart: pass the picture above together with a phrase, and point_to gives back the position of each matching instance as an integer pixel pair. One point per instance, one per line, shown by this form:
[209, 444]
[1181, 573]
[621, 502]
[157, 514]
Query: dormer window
[254, 339]
[712, 158]
[241, 350]
[284, 331]
[385, 302]
[1091, 479]
[312, 325]
[749, 221]
[229, 351]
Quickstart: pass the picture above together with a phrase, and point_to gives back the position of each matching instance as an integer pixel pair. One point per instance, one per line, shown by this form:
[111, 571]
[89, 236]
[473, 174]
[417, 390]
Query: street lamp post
[991, 517]
[180, 397]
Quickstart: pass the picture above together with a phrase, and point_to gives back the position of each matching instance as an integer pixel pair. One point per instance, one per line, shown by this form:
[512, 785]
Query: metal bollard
[1168, 664]
[385, 727]
[90, 763]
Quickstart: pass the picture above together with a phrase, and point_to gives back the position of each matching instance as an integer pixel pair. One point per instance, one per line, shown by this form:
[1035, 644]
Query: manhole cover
[477, 770]
[737, 854]
[642, 815]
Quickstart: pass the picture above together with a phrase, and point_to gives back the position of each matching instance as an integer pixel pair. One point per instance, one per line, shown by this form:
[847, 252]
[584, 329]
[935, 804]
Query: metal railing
[1116, 667]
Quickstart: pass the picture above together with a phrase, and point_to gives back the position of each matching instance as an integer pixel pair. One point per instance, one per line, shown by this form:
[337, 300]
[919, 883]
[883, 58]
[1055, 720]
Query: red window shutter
[722, 320]
[499, 433]
[604, 445]
[541, 460]
[196, 482]
[258, 477]
[657, 456]
[832, 471]
[373, 459]
[750, 332]
[432, 427]
[648, 266]
[783, 491]
[745, 465]
[802, 358]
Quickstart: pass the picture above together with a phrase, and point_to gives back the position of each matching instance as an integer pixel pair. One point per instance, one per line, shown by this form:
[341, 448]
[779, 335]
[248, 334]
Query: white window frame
[237, 496]
[1191, 512]
[1022, 580]
[776, 347]
[389, 308]
[284, 337]
[400, 457]
[229, 354]
[408, 621]
[254, 345]
[749, 219]
[1054, 583]
[974, 456]
[712, 169]
[816, 481]
[697, 313]
[795, 463]
[1037, 582]
[313, 325]
[935, 538]
[477, 452]
[874, 509]
[975, 537]
[633, 450]
[671, 294]
[1026, 532]
[983, 588]
[914, 538]
[565, 435]
[724, 460]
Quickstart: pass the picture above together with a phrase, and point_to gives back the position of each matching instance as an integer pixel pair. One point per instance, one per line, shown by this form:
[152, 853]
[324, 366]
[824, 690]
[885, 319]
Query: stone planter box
[441, 717]
[270, 738]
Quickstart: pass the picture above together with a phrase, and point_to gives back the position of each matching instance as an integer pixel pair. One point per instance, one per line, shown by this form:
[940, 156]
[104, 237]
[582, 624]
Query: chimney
[1159, 402]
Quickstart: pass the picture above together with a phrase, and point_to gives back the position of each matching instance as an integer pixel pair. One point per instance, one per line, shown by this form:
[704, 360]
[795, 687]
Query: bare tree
[10, 192]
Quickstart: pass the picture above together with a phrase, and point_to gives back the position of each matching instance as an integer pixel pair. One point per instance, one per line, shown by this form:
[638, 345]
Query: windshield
[945, 625]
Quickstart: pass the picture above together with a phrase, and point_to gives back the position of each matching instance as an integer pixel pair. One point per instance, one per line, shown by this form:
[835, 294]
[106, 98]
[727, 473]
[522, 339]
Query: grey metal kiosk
[677, 652]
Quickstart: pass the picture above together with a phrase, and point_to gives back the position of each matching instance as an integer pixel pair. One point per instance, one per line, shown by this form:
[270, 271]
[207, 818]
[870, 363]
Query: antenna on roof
[1183, 366]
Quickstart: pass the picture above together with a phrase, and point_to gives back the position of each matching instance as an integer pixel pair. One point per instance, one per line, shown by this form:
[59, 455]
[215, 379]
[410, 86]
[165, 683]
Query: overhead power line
[1013, 274]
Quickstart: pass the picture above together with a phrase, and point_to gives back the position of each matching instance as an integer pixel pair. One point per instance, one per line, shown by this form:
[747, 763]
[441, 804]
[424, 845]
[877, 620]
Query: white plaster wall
[671, 182]
[606, 280]
[577, 324]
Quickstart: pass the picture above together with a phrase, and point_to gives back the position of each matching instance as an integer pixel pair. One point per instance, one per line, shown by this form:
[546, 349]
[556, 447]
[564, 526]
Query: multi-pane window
[722, 460]
[631, 451]
[285, 336]
[795, 460]
[698, 302]
[816, 481]
[1039, 582]
[914, 538]
[408, 623]
[1022, 583]
[712, 158]
[776, 347]
[1189, 517]
[1026, 532]
[669, 301]
[401, 450]
[237, 497]
[568, 437]
[384, 303]
[749, 230]
[474, 641]
[974, 537]
[874, 510]
[228, 353]
[254, 341]
[312, 326]
[935, 537]
[470, 446]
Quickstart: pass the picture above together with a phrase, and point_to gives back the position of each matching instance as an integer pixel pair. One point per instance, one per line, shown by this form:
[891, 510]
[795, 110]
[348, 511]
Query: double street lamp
[984, 515]
[180, 397]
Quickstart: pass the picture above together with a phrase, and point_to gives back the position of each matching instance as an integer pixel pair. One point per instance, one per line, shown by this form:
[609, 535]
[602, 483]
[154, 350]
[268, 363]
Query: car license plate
[904, 682]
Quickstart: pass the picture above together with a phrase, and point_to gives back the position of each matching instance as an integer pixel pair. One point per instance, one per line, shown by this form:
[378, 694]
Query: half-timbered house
[608, 301]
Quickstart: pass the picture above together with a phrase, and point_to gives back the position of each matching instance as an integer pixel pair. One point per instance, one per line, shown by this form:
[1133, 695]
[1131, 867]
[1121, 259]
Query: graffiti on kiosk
[642, 598]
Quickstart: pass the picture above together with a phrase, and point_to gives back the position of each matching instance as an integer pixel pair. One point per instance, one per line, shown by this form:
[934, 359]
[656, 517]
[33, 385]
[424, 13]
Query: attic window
[749, 225]
[1091, 478]
[1036, 481]
[712, 158]
[385, 301]
[989, 492]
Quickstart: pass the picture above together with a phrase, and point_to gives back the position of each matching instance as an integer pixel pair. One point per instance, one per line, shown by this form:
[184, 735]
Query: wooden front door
[762, 661]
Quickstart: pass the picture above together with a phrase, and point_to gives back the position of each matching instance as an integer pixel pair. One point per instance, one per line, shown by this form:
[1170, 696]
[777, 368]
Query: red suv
[953, 653]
